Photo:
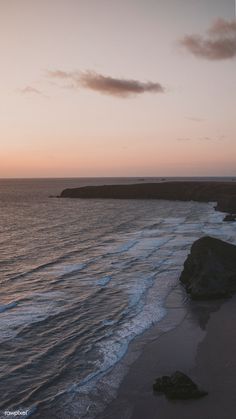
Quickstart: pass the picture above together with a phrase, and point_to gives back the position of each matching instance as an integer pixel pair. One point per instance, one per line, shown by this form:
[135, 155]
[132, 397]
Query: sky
[117, 88]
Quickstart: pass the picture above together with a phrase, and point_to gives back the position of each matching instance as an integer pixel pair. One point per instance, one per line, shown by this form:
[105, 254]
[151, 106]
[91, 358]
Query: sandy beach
[203, 346]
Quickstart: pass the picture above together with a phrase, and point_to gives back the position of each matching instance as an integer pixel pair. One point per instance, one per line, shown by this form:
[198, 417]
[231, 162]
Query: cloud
[218, 44]
[195, 119]
[106, 84]
[186, 139]
[117, 87]
[30, 90]
[183, 139]
[59, 74]
[216, 138]
[206, 139]
[222, 27]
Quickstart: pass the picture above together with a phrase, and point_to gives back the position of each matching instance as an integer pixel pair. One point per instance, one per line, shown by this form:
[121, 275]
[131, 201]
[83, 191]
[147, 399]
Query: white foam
[174, 220]
[75, 267]
[124, 247]
[104, 280]
[108, 322]
[8, 306]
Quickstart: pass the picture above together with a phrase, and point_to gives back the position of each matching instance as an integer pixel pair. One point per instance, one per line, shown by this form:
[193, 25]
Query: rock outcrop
[227, 203]
[210, 269]
[178, 386]
[230, 217]
[224, 193]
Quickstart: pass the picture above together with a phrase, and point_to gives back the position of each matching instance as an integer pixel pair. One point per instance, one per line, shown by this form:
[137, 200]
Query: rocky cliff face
[227, 203]
[210, 269]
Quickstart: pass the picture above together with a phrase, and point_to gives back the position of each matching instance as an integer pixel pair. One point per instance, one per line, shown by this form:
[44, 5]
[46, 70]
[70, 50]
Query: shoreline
[202, 345]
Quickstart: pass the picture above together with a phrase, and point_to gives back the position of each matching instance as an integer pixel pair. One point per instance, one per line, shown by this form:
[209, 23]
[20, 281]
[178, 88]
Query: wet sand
[203, 345]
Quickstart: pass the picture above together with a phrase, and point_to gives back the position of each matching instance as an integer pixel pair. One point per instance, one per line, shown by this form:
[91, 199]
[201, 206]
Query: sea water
[80, 279]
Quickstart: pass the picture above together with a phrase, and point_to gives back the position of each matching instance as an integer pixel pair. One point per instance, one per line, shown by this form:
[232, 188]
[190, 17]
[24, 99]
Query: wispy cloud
[30, 90]
[218, 44]
[203, 138]
[59, 74]
[183, 139]
[206, 139]
[105, 84]
[195, 119]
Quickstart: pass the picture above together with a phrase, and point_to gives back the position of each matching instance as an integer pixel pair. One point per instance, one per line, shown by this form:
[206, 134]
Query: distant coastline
[223, 193]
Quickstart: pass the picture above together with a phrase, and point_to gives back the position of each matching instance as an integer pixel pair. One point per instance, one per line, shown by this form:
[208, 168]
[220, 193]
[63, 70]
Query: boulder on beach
[178, 386]
[210, 269]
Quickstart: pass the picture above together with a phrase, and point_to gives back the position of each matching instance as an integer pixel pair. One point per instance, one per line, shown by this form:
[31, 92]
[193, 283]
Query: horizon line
[117, 177]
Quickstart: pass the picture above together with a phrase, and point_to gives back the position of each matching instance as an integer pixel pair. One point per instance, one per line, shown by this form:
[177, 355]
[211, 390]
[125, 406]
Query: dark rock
[224, 193]
[178, 386]
[210, 269]
[227, 203]
[230, 217]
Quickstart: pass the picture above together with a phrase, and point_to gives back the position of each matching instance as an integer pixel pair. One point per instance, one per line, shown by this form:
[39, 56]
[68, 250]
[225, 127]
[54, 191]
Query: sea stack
[210, 269]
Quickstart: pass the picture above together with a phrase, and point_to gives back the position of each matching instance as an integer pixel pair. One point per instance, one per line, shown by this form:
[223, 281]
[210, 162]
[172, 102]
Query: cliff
[210, 269]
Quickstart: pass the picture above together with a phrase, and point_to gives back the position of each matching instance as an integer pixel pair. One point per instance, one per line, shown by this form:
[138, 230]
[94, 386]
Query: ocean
[81, 279]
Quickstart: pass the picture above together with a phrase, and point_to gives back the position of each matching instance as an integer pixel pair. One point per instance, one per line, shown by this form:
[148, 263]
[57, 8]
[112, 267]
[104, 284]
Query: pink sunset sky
[117, 88]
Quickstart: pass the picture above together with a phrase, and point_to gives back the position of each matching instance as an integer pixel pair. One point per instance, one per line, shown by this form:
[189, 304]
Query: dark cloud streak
[117, 87]
[105, 84]
[218, 44]
[186, 139]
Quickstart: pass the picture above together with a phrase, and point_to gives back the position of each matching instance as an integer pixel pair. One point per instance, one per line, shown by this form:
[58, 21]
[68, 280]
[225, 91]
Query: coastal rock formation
[210, 269]
[178, 386]
[227, 203]
[230, 217]
[224, 193]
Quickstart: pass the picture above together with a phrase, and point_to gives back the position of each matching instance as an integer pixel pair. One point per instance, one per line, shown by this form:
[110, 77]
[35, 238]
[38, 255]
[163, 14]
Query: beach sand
[203, 345]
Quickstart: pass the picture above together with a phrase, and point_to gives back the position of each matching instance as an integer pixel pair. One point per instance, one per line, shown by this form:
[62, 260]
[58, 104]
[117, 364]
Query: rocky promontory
[210, 269]
[223, 193]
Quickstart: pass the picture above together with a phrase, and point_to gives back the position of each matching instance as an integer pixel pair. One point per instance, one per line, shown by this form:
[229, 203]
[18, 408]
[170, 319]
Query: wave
[104, 280]
[8, 306]
[123, 248]
[52, 263]
[73, 268]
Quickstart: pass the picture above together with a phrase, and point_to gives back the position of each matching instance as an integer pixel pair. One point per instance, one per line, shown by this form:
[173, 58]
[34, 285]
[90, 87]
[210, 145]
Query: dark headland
[223, 193]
